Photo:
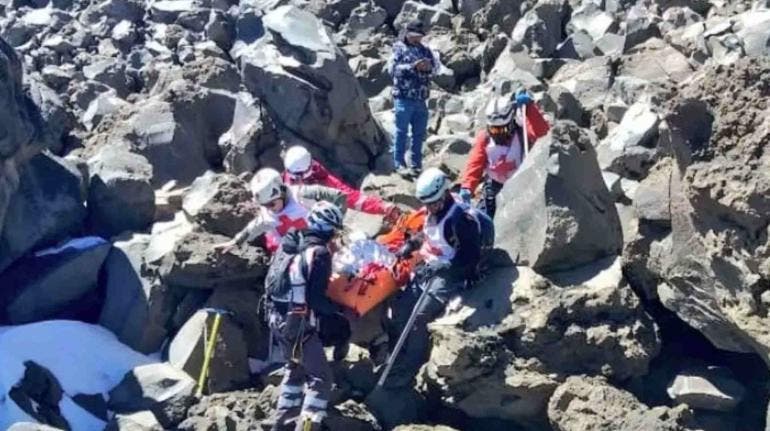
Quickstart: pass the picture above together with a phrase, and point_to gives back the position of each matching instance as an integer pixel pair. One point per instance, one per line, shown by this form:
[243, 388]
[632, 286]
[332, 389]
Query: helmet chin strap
[506, 141]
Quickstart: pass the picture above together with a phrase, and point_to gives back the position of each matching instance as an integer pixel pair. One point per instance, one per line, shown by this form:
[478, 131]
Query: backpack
[485, 224]
[277, 283]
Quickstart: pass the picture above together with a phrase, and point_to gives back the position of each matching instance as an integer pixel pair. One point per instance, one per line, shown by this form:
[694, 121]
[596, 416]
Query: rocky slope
[633, 283]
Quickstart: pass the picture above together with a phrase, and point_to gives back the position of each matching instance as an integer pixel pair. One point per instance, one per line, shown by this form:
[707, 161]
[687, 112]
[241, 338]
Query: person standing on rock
[411, 67]
[302, 169]
[451, 253]
[498, 150]
[282, 209]
[294, 314]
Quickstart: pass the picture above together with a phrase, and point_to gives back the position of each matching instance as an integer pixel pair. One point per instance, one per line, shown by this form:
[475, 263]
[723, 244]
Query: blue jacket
[408, 82]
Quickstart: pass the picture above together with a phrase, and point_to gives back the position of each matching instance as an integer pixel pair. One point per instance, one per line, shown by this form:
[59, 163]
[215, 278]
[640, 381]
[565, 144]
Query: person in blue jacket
[411, 67]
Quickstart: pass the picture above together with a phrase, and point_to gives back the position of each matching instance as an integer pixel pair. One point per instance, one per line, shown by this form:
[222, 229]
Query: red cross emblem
[285, 224]
[503, 167]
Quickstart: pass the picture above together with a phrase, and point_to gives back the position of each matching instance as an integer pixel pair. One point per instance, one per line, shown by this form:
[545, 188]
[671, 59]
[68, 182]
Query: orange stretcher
[374, 284]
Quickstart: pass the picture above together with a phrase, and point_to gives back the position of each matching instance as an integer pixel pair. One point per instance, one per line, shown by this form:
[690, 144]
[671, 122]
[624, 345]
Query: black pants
[488, 202]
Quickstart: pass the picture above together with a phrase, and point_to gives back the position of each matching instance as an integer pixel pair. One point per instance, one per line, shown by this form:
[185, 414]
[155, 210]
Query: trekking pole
[209, 349]
[402, 337]
[524, 130]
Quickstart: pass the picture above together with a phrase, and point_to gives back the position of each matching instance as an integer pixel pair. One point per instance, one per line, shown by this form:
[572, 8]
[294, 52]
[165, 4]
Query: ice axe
[209, 347]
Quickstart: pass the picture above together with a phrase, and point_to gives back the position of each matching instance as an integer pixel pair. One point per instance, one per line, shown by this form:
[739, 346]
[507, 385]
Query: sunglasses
[498, 130]
[299, 176]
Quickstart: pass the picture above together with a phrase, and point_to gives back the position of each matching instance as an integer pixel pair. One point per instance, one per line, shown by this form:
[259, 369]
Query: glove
[465, 195]
[392, 213]
[523, 98]
[410, 245]
[401, 272]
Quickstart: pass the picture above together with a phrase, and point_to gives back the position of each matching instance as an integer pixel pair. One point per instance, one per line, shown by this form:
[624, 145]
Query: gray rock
[483, 16]
[392, 7]
[167, 11]
[652, 201]
[140, 421]
[720, 185]
[592, 20]
[136, 306]
[568, 217]
[539, 30]
[498, 354]
[456, 51]
[244, 303]
[332, 11]
[590, 403]
[131, 10]
[70, 273]
[158, 388]
[707, 389]
[221, 29]
[250, 136]
[219, 203]
[110, 72]
[655, 61]
[364, 20]
[59, 120]
[236, 410]
[492, 49]
[124, 34]
[587, 81]
[16, 114]
[450, 153]
[120, 196]
[578, 45]
[430, 16]
[104, 104]
[195, 264]
[629, 150]
[165, 236]
[563, 104]
[230, 370]
[641, 24]
[178, 138]
[611, 45]
[677, 17]
[754, 32]
[353, 416]
[46, 208]
[393, 188]
[371, 74]
[327, 106]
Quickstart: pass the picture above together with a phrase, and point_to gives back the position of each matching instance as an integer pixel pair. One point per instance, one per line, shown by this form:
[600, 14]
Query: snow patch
[86, 359]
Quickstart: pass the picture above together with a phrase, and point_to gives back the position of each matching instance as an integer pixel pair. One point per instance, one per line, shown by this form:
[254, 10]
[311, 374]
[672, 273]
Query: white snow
[86, 359]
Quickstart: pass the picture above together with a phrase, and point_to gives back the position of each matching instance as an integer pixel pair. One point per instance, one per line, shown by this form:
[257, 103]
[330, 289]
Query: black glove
[411, 245]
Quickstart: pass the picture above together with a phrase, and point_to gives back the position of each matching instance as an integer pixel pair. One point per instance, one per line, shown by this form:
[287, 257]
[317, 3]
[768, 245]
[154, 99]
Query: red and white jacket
[500, 162]
[355, 198]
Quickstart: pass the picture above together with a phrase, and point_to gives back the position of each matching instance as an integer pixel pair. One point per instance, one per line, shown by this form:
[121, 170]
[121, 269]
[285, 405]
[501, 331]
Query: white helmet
[500, 111]
[266, 185]
[297, 160]
[324, 217]
[432, 185]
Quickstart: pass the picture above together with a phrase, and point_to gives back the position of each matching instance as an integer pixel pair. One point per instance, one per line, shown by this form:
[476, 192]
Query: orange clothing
[477, 163]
